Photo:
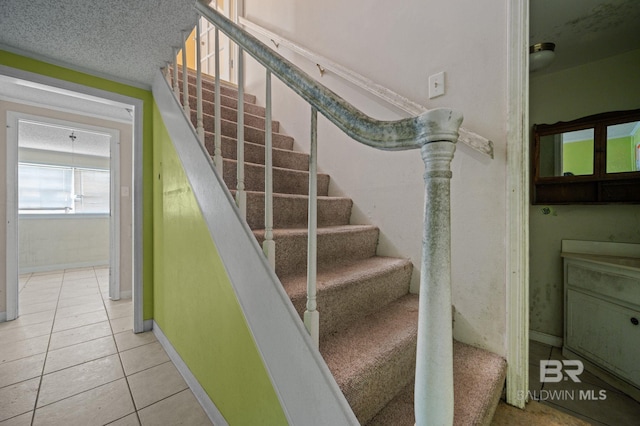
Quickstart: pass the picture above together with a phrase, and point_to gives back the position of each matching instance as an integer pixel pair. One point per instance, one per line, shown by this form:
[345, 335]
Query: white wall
[63, 242]
[399, 45]
[611, 84]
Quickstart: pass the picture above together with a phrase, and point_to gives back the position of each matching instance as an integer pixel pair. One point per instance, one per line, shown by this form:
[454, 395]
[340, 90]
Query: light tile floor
[617, 409]
[71, 358]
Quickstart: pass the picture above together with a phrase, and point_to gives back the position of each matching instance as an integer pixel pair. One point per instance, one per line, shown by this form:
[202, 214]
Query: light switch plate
[436, 85]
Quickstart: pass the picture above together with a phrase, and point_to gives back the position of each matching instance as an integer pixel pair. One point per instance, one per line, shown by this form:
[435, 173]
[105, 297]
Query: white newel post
[434, 364]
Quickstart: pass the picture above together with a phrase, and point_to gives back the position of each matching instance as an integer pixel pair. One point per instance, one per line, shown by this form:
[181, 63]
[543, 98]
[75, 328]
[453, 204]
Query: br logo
[552, 370]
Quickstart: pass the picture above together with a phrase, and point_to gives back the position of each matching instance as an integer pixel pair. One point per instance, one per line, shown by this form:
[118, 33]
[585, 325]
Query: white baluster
[269, 245]
[166, 72]
[434, 363]
[185, 79]
[241, 194]
[199, 119]
[311, 315]
[217, 149]
[176, 86]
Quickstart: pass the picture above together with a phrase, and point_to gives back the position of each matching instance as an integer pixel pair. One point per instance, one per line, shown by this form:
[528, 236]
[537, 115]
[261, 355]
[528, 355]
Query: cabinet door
[604, 333]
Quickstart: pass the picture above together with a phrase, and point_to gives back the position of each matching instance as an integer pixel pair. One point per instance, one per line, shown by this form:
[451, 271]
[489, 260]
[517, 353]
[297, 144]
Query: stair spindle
[217, 149]
[311, 315]
[199, 119]
[176, 85]
[185, 80]
[269, 245]
[241, 195]
[166, 72]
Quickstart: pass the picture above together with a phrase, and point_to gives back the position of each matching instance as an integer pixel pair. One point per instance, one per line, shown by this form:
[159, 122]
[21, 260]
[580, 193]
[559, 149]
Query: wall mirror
[591, 160]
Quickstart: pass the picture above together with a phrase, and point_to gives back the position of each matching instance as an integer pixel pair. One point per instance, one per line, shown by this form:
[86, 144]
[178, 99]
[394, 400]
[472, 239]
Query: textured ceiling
[584, 30]
[125, 39]
[43, 136]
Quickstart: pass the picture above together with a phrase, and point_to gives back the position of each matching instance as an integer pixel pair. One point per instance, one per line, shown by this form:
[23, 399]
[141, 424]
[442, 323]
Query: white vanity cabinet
[602, 313]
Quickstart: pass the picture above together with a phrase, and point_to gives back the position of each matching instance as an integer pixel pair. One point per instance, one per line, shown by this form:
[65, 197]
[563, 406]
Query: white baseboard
[3, 316]
[148, 325]
[545, 338]
[207, 405]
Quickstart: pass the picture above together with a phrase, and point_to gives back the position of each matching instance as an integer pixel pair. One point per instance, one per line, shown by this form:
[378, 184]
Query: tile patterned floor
[71, 358]
[617, 409]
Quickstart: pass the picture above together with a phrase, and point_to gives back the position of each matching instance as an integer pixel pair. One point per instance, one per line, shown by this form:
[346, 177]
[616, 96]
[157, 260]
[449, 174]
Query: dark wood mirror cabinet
[591, 160]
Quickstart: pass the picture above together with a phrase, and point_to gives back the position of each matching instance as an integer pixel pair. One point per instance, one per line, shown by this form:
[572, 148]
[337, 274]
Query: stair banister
[408, 133]
[435, 132]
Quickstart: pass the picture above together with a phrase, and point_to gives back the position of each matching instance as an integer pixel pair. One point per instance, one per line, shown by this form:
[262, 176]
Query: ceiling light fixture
[541, 55]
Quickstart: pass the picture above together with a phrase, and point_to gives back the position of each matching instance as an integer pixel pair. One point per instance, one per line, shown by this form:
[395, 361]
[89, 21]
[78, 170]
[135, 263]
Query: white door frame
[114, 218]
[137, 105]
[517, 327]
[13, 146]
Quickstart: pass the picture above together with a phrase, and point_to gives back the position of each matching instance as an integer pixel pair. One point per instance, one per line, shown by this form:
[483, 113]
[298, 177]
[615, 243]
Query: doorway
[62, 198]
[67, 178]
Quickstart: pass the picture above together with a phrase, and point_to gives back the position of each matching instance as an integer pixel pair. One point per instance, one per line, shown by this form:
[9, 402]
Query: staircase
[368, 318]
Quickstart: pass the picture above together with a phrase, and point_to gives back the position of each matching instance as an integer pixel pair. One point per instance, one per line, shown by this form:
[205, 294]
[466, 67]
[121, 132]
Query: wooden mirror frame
[597, 188]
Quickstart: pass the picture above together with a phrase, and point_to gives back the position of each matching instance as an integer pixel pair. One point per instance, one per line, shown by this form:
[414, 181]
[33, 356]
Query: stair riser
[208, 83]
[284, 181]
[225, 101]
[370, 394]
[284, 144]
[293, 213]
[341, 306]
[251, 134]
[230, 114]
[291, 251]
[230, 128]
[254, 153]
[251, 121]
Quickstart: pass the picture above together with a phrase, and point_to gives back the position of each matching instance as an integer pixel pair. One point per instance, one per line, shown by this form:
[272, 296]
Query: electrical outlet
[436, 85]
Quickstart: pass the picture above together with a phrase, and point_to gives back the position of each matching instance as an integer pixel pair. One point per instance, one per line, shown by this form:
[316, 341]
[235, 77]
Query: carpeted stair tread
[374, 358]
[285, 181]
[251, 134]
[291, 210]
[478, 380]
[347, 291]
[208, 83]
[208, 98]
[335, 244]
[209, 138]
[254, 153]
[231, 115]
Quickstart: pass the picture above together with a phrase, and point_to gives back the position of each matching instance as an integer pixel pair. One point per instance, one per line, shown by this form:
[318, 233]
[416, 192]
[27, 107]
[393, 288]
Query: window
[49, 189]
[590, 160]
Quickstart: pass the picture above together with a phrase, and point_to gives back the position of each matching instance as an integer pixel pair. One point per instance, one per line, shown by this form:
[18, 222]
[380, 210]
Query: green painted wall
[620, 155]
[38, 67]
[577, 157]
[194, 302]
[636, 150]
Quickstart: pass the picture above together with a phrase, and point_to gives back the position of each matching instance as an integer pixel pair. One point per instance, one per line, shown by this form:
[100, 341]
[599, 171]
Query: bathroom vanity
[602, 310]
